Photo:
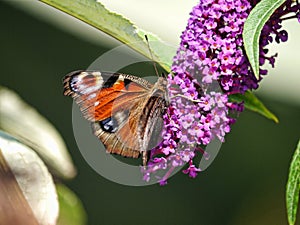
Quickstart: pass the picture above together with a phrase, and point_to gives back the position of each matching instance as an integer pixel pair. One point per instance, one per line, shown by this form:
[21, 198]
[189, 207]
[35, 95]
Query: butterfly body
[125, 111]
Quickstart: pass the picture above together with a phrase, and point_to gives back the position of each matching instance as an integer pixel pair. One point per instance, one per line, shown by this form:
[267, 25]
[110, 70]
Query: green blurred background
[244, 185]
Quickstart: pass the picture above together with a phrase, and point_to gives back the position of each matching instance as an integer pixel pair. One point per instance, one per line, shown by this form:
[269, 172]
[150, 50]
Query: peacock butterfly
[125, 111]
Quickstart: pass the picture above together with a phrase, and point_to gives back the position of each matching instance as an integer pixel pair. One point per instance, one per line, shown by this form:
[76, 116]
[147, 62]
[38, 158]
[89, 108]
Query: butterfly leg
[145, 158]
[183, 96]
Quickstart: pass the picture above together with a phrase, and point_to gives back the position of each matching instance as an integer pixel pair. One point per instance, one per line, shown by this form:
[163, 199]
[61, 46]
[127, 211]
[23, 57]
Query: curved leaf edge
[122, 29]
[293, 187]
[253, 26]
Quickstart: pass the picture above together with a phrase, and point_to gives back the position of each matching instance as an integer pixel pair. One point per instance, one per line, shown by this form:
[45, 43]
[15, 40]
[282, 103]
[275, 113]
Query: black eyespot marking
[109, 125]
[127, 82]
[111, 81]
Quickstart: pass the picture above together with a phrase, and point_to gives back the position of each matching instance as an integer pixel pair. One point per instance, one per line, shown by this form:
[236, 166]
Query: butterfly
[125, 111]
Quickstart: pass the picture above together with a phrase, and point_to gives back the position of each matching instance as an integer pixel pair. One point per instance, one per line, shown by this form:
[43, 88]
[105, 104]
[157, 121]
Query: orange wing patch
[116, 98]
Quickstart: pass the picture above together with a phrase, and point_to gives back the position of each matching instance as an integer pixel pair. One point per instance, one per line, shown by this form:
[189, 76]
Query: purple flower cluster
[210, 64]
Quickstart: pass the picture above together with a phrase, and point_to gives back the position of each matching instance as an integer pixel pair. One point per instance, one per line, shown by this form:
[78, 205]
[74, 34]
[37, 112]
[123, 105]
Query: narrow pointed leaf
[252, 103]
[293, 187]
[256, 20]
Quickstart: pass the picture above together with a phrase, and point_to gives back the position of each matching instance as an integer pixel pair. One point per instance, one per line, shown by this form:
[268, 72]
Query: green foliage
[115, 25]
[71, 210]
[256, 20]
[251, 102]
[293, 187]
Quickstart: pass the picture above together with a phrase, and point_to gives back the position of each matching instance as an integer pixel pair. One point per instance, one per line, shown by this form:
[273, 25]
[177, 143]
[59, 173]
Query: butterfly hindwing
[151, 122]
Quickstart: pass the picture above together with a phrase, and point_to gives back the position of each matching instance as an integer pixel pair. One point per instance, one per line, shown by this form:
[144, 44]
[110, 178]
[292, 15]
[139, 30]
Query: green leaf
[252, 103]
[293, 187]
[96, 15]
[256, 20]
[71, 210]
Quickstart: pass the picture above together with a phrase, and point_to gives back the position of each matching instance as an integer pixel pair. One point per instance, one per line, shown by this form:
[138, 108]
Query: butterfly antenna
[151, 55]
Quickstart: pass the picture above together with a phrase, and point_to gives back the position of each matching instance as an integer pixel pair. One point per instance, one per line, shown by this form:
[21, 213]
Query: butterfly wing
[113, 103]
[151, 124]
